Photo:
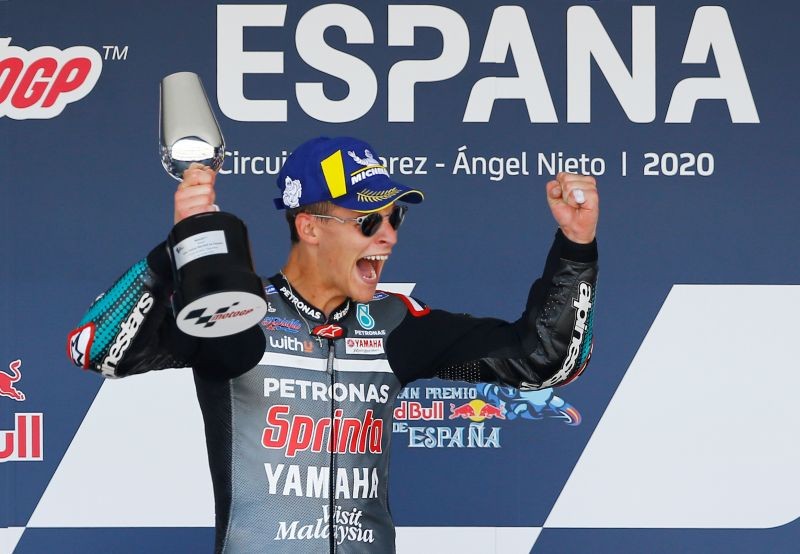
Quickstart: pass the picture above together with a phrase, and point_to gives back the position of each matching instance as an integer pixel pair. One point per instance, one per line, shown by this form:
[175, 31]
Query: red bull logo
[476, 410]
[489, 411]
[25, 442]
[38, 84]
[415, 411]
[7, 387]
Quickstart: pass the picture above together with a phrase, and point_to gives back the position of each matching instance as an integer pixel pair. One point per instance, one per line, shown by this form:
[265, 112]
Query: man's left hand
[575, 204]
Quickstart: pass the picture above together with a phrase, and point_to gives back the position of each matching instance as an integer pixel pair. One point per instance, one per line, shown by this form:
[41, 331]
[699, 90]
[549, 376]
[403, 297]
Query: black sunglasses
[370, 223]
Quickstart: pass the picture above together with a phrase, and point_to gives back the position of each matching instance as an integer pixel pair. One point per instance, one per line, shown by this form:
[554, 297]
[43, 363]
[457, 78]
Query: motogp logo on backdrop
[38, 84]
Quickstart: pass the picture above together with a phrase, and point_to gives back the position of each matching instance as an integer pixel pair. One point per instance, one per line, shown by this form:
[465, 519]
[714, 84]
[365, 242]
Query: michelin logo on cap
[368, 160]
[292, 193]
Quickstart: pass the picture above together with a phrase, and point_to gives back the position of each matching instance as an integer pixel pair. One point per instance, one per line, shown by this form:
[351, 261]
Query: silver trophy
[217, 292]
[189, 131]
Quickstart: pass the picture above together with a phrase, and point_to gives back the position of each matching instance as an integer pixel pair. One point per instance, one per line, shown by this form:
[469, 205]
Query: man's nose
[386, 233]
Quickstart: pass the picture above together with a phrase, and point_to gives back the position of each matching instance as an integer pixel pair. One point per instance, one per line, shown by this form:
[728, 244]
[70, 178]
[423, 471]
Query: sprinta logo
[38, 84]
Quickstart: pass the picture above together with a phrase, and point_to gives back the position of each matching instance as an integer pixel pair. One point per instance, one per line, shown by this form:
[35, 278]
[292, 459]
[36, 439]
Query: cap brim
[371, 200]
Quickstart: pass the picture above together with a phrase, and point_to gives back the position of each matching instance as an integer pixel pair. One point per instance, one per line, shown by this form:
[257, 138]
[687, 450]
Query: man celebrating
[298, 411]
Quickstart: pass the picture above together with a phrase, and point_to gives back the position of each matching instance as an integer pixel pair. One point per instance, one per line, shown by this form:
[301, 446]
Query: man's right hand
[195, 194]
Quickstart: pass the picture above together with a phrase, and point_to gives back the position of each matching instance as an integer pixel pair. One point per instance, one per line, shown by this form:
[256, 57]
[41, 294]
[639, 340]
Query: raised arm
[549, 345]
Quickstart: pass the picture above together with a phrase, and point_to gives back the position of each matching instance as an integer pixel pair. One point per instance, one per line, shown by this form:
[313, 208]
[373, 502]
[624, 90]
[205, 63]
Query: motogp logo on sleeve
[38, 84]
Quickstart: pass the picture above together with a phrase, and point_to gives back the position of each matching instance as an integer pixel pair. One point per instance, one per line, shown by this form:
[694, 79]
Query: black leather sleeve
[130, 329]
[549, 345]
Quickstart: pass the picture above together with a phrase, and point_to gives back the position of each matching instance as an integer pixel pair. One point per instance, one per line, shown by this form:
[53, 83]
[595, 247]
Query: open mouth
[369, 267]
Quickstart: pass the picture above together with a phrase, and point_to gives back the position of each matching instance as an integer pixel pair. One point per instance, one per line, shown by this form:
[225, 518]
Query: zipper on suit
[332, 471]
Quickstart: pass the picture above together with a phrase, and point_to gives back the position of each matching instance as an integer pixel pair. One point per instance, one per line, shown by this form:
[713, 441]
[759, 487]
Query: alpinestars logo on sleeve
[583, 306]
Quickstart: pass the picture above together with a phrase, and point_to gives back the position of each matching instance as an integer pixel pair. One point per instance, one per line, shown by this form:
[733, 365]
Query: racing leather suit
[298, 410]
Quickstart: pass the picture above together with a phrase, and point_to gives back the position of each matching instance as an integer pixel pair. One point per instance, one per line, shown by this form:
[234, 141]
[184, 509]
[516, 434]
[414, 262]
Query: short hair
[317, 208]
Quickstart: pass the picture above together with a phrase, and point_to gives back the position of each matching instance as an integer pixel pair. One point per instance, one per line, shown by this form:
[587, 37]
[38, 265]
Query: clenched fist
[575, 204]
[195, 192]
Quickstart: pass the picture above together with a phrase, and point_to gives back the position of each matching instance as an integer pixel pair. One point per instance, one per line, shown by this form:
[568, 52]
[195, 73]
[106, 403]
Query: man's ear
[307, 227]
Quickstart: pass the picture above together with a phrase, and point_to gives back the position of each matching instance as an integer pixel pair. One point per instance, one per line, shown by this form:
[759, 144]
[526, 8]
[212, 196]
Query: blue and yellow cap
[342, 170]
